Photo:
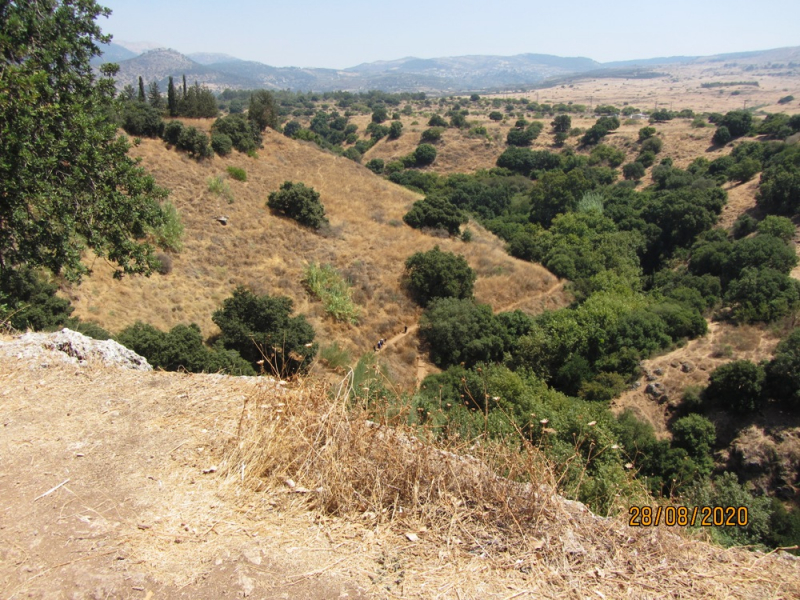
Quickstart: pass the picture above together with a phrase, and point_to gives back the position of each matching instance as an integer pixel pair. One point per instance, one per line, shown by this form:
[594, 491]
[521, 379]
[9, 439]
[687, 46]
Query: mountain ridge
[433, 75]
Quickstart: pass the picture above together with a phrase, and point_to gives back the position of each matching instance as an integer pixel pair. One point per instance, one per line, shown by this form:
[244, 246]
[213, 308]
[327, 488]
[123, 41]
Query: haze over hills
[434, 75]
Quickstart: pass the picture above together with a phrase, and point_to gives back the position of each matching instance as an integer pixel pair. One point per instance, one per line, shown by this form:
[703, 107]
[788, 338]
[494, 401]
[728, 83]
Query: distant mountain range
[431, 75]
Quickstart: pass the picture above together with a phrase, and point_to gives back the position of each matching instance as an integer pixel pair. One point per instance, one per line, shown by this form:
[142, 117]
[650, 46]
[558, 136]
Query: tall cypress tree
[184, 86]
[141, 89]
[172, 101]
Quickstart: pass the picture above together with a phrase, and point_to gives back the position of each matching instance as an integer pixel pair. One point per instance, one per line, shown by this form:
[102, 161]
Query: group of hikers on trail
[382, 342]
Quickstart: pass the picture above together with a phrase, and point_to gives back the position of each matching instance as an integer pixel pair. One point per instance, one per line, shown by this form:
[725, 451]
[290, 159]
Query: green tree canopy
[461, 331]
[300, 203]
[66, 180]
[261, 328]
[437, 274]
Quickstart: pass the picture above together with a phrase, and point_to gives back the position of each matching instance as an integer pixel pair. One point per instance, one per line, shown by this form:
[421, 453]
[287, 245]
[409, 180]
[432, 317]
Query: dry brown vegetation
[368, 243]
[177, 486]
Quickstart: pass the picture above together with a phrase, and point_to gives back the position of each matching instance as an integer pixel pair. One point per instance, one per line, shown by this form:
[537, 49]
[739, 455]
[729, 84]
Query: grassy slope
[369, 243]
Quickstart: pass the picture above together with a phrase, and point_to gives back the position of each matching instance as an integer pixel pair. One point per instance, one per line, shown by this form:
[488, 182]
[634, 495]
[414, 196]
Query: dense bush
[221, 144]
[436, 274]
[424, 155]
[172, 132]
[438, 121]
[194, 142]
[376, 165]
[736, 386]
[242, 132]
[181, 349]
[141, 120]
[722, 136]
[432, 135]
[261, 328]
[300, 203]
[783, 371]
[30, 302]
[461, 331]
[395, 130]
[634, 170]
[437, 213]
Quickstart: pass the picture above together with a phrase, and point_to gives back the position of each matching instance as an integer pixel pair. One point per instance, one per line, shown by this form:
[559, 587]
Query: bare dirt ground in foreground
[110, 489]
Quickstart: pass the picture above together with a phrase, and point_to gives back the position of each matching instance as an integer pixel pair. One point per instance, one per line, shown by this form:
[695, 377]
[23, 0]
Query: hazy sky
[316, 33]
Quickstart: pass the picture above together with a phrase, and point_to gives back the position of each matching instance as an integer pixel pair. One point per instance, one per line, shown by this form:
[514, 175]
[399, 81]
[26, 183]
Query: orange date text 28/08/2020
[685, 516]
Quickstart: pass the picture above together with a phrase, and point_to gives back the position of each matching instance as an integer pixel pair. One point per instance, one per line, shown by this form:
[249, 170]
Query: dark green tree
[66, 180]
[300, 203]
[783, 371]
[461, 331]
[424, 155]
[142, 96]
[154, 96]
[242, 131]
[697, 435]
[562, 124]
[736, 385]
[261, 328]
[436, 274]
[435, 212]
[395, 130]
[263, 110]
[172, 99]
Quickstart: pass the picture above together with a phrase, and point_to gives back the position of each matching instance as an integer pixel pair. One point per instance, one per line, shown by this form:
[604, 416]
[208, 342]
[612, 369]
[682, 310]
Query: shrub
[395, 130]
[646, 132]
[461, 331]
[31, 302]
[181, 349]
[779, 227]
[379, 114]
[736, 385]
[786, 99]
[783, 371]
[744, 226]
[696, 434]
[141, 120]
[562, 124]
[744, 170]
[436, 274]
[437, 213]
[762, 295]
[376, 165]
[437, 121]
[261, 328]
[646, 159]
[300, 203]
[237, 173]
[634, 170]
[652, 144]
[291, 128]
[172, 132]
[221, 144]
[244, 134]
[722, 136]
[432, 135]
[519, 137]
[327, 284]
[424, 155]
[195, 143]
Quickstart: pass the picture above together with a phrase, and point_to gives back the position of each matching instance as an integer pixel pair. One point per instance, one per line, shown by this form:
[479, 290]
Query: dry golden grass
[455, 529]
[368, 243]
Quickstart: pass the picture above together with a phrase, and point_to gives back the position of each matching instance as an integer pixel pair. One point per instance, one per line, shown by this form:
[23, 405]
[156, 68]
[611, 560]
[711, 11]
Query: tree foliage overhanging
[66, 180]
